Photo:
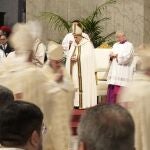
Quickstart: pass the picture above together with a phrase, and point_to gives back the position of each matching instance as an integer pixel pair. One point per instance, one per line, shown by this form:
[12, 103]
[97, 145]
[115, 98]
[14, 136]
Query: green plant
[92, 24]
[56, 21]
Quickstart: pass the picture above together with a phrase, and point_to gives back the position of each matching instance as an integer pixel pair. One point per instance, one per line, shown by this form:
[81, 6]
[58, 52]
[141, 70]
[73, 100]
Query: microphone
[70, 43]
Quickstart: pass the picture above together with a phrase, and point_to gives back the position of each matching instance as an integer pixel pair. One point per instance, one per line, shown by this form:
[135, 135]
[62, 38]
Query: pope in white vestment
[120, 72]
[69, 38]
[80, 65]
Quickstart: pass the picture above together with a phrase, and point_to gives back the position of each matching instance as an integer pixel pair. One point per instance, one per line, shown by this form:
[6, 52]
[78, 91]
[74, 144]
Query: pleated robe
[83, 74]
[121, 72]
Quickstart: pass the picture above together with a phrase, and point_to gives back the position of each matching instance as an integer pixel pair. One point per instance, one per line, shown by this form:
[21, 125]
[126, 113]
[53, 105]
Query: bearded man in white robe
[80, 65]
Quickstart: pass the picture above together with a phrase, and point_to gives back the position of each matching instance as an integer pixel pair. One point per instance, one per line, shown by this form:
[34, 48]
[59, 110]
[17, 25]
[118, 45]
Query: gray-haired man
[106, 127]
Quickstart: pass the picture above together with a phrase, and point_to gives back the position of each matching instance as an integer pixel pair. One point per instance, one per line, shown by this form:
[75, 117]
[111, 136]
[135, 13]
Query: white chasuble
[83, 73]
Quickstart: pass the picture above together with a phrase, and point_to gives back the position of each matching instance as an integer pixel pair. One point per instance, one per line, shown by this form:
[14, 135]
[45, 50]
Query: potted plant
[92, 24]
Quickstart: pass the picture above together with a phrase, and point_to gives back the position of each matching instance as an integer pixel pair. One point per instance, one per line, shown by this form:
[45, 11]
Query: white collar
[5, 45]
[82, 42]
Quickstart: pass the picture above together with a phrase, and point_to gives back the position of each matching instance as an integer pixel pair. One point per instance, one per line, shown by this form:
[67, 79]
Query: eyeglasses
[44, 129]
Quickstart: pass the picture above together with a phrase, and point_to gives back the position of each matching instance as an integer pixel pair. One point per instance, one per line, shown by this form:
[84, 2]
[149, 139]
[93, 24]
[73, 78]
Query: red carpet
[76, 115]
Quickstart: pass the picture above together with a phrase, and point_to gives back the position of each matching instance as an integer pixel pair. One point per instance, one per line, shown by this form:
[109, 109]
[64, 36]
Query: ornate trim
[80, 76]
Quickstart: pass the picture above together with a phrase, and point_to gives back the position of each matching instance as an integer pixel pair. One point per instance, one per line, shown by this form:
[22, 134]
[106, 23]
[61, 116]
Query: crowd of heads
[102, 127]
[21, 123]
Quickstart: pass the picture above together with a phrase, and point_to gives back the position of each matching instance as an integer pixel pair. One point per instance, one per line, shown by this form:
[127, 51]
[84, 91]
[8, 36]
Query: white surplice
[121, 72]
[82, 73]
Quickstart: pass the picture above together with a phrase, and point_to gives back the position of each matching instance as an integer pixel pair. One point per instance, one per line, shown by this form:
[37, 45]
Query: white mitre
[21, 39]
[55, 51]
[76, 29]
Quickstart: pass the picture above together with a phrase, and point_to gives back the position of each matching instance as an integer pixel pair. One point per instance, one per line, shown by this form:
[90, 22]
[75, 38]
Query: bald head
[120, 36]
[121, 33]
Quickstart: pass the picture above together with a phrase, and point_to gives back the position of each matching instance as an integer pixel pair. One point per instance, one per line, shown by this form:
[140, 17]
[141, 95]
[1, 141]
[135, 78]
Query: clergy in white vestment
[69, 38]
[80, 65]
[58, 110]
[120, 72]
[39, 49]
[55, 70]
[18, 73]
[136, 98]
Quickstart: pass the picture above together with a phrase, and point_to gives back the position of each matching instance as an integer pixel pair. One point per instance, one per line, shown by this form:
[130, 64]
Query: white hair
[120, 33]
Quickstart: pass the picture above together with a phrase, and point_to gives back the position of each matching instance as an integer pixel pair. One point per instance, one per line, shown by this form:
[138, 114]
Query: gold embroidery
[71, 63]
[80, 76]
[77, 52]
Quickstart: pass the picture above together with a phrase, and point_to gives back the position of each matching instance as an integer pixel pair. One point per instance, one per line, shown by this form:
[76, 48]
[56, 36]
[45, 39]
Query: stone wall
[147, 21]
[126, 15]
[11, 9]
[14, 11]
